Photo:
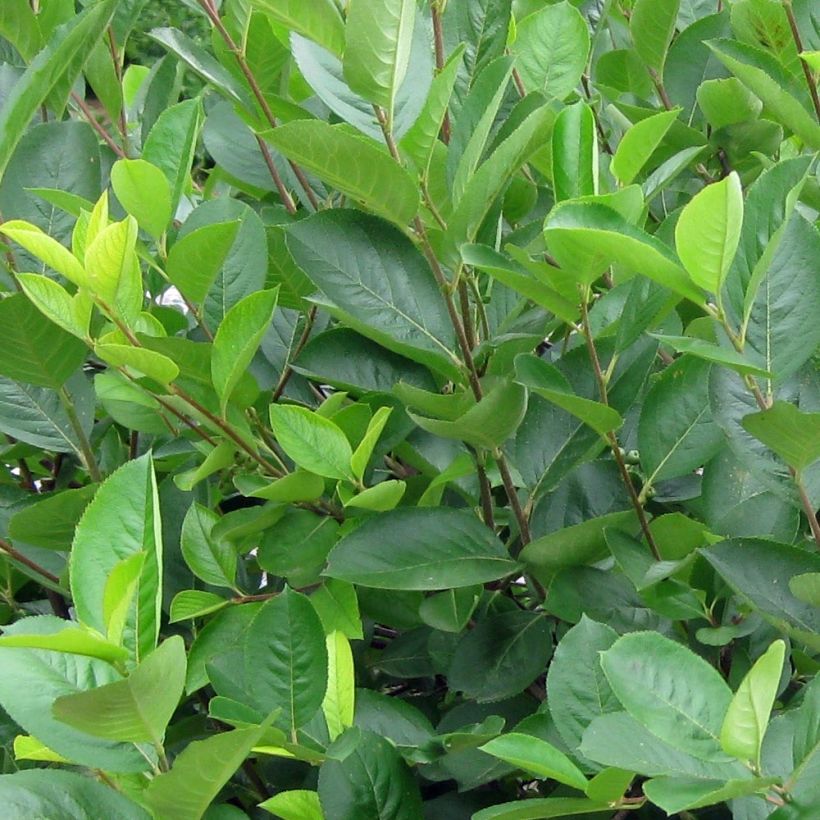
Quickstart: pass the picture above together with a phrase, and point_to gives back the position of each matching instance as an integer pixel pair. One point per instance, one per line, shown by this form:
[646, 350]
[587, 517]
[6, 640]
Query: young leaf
[745, 723]
[792, 434]
[542, 808]
[137, 709]
[537, 757]
[652, 25]
[431, 549]
[47, 250]
[295, 804]
[377, 49]
[338, 704]
[708, 232]
[237, 340]
[143, 191]
[575, 153]
[71, 313]
[639, 143]
[670, 690]
[361, 455]
[194, 603]
[314, 443]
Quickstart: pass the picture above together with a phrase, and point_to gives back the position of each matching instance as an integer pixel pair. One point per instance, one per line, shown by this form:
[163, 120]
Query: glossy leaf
[639, 143]
[537, 757]
[318, 19]
[652, 25]
[143, 191]
[793, 435]
[575, 153]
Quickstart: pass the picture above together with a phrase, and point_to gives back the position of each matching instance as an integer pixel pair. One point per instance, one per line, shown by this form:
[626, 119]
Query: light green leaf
[126, 504]
[378, 38]
[806, 587]
[792, 434]
[72, 313]
[674, 693]
[47, 250]
[120, 589]
[575, 153]
[27, 747]
[314, 443]
[199, 773]
[296, 804]
[557, 70]
[675, 794]
[362, 454]
[338, 704]
[537, 757]
[143, 191]
[712, 353]
[338, 608]
[194, 603]
[52, 72]
[237, 340]
[708, 232]
[74, 640]
[541, 809]
[136, 709]
[211, 559]
[639, 143]
[432, 548]
[297, 486]
[113, 269]
[380, 498]
[32, 348]
[145, 362]
[652, 26]
[546, 380]
[353, 164]
[745, 723]
[317, 19]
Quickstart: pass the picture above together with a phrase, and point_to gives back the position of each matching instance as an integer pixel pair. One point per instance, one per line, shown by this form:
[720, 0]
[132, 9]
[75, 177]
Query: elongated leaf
[793, 435]
[199, 773]
[136, 709]
[745, 723]
[143, 191]
[714, 353]
[375, 279]
[71, 313]
[47, 250]
[238, 338]
[377, 49]
[639, 143]
[32, 348]
[541, 809]
[210, 559]
[127, 504]
[431, 549]
[708, 232]
[537, 757]
[54, 69]
[338, 705]
[677, 794]
[314, 443]
[354, 165]
[575, 153]
[670, 690]
[652, 25]
[72, 639]
[555, 71]
[318, 19]
[589, 237]
[295, 804]
[676, 433]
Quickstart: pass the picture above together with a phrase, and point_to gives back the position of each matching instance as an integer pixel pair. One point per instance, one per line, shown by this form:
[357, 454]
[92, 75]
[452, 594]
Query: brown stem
[92, 121]
[115, 59]
[512, 494]
[288, 371]
[284, 194]
[438, 40]
[807, 72]
[486, 496]
[611, 438]
[22, 559]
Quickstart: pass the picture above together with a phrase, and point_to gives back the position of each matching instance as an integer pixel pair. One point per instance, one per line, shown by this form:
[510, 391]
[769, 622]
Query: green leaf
[450, 611]
[194, 603]
[376, 281]
[367, 777]
[295, 804]
[144, 362]
[555, 71]
[759, 572]
[52, 72]
[137, 709]
[71, 313]
[793, 435]
[353, 164]
[338, 704]
[575, 153]
[502, 655]
[806, 587]
[377, 49]
[537, 757]
[317, 19]
[708, 232]
[142, 189]
[381, 498]
[238, 338]
[547, 381]
[639, 143]
[674, 794]
[297, 486]
[713, 353]
[73, 639]
[113, 270]
[211, 559]
[676, 432]
[765, 77]
[589, 237]
[362, 454]
[541, 809]
[62, 795]
[430, 549]
[670, 690]
[652, 25]
[126, 504]
[47, 250]
[748, 716]
[50, 523]
[314, 443]
[281, 663]
[32, 348]
[577, 688]
[49, 675]
[338, 608]
[199, 773]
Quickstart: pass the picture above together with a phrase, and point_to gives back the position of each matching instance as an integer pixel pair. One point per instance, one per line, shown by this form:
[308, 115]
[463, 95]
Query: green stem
[86, 452]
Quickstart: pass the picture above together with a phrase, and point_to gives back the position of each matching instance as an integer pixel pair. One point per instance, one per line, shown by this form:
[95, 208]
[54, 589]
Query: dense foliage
[411, 410]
